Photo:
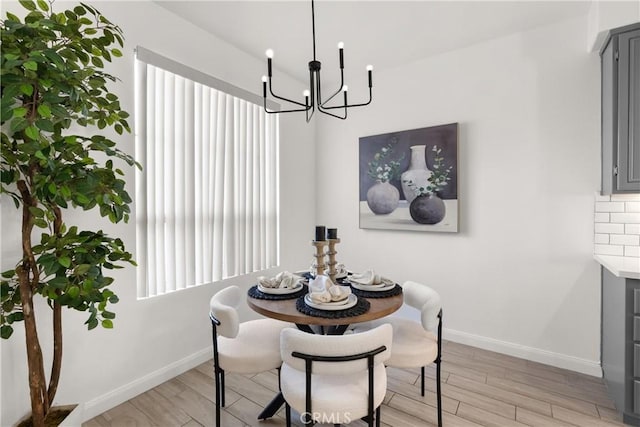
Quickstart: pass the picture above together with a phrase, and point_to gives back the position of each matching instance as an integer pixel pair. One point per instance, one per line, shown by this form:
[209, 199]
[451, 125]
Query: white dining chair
[334, 379]
[240, 347]
[415, 345]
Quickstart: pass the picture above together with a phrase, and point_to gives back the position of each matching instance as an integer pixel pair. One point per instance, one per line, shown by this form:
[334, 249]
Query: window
[207, 198]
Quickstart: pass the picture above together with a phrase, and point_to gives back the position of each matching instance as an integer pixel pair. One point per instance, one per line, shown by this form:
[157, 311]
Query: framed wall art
[409, 180]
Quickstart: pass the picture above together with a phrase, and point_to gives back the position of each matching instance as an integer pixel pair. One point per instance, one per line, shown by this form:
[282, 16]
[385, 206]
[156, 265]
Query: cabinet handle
[615, 170]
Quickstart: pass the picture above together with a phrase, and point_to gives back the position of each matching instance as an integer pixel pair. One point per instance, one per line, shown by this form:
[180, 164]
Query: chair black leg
[439, 393]
[422, 380]
[287, 411]
[378, 416]
[217, 398]
[221, 388]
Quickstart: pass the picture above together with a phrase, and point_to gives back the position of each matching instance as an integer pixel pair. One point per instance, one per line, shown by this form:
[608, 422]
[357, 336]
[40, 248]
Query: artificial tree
[54, 94]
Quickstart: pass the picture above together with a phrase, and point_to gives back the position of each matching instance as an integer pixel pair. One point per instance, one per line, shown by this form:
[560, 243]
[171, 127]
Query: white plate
[280, 291]
[350, 302]
[373, 288]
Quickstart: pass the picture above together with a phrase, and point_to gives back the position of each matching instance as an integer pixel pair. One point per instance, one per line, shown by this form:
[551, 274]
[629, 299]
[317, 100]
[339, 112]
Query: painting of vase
[409, 179]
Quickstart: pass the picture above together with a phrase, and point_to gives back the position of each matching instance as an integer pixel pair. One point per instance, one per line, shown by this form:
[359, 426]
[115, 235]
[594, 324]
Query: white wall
[154, 338]
[519, 276]
[606, 15]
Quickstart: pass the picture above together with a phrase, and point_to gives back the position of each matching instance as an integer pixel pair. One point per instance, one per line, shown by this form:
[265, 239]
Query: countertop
[620, 266]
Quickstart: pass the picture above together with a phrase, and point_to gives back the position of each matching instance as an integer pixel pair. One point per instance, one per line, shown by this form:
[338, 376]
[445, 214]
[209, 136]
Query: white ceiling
[382, 33]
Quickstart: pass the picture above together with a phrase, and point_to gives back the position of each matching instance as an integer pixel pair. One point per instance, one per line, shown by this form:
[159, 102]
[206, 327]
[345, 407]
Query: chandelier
[313, 95]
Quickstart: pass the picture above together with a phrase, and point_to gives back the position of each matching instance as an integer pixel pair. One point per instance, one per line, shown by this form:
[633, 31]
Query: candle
[332, 233]
[320, 232]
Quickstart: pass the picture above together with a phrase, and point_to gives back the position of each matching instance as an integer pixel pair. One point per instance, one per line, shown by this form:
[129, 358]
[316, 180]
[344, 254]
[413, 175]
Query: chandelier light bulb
[369, 67]
[269, 53]
[340, 45]
[345, 88]
[264, 79]
[306, 93]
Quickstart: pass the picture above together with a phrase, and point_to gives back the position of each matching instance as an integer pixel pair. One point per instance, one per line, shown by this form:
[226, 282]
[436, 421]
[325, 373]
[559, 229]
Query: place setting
[327, 299]
[371, 285]
[283, 286]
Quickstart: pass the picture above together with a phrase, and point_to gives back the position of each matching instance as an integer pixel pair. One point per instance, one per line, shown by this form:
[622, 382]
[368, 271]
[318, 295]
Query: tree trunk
[56, 366]
[28, 277]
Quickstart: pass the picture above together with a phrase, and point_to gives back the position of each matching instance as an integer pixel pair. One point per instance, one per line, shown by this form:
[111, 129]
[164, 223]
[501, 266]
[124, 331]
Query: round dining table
[285, 309]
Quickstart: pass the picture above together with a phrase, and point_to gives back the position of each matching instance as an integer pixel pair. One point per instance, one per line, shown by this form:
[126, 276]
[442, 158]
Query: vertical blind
[207, 198]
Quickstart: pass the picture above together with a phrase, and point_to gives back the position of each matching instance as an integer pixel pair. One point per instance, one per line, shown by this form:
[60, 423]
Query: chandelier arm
[350, 105]
[282, 111]
[285, 99]
[313, 110]
[333, 115]
[336, 92]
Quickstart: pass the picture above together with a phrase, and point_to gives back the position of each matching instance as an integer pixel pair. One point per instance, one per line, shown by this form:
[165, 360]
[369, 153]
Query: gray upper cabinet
[621, 111]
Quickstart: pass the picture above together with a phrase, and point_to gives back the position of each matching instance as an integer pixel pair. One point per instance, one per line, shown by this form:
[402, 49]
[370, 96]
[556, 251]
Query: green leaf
[28, 4]
[18, 125]
[30, 65]
[32, 132]
[8, 274]
[116, 52]
[108, 315]
[43, 5]
[65, 261]
[37, 212]
[27, 89]
[107, 324]
[92, 323]
[45, 125]
[6, 331]
[73, 292]
[19, 112]
[44, 110]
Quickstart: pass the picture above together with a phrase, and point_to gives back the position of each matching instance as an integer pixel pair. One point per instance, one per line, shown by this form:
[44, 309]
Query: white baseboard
[584, 366]
[115, 397]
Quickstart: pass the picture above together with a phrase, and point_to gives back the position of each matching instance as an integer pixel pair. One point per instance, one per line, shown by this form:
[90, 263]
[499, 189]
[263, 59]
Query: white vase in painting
[418, 173]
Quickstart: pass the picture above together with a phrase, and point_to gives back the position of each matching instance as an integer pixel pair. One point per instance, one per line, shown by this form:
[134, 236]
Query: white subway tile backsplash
[634, 197]
[609, 228]
[626, 218]
[632, 229]
[617, 225]
[608, 250]
[633, 251]
[632, 207]
[609, 207]
[624, 239]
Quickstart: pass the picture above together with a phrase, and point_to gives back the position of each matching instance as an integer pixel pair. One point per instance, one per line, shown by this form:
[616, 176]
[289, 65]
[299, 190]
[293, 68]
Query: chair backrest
[426, 300]
[293, 340]
[223, 306]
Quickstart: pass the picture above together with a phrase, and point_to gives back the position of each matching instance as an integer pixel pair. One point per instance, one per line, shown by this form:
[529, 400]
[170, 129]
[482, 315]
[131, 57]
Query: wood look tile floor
[479, 388]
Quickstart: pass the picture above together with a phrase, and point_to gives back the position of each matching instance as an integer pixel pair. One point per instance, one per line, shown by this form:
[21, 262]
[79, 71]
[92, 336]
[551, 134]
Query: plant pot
[427, 209]
[418, 173]
[73, 418]
[383, 198]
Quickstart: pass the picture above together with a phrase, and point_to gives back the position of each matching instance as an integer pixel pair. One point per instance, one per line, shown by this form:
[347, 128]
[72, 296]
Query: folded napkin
[283, 279]
[322, 289]
[369, 277]
[341, 271]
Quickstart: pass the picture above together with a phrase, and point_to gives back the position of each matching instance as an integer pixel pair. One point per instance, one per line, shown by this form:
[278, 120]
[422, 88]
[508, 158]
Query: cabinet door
[628, 156]
[609, 128]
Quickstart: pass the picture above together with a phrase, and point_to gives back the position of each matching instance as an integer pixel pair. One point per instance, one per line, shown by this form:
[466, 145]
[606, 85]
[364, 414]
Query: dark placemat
[396, 290]
[361, 307]
[254, 292]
